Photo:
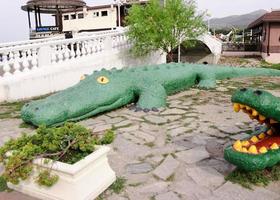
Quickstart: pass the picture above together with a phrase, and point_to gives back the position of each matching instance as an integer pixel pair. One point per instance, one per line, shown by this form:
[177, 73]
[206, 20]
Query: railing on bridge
[240, 47]
[26, 57]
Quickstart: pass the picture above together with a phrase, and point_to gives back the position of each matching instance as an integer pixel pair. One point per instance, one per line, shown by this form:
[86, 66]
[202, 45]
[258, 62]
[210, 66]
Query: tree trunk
[169, 57]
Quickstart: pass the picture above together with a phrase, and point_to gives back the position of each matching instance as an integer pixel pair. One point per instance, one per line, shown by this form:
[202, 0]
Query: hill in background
[237, 21]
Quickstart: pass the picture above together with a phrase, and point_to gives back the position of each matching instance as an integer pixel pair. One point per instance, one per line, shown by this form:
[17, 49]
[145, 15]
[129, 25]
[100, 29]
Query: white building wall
[91, 21]
[273, 58]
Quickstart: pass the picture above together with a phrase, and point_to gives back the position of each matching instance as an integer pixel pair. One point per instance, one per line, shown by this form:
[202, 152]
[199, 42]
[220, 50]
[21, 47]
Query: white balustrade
[25, 61]
[23, 58]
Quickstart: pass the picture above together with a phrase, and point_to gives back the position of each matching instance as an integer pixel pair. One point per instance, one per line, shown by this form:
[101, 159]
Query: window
[80, 15]
[73, 16]
[95, 14]
[104, 13]
[66, 17]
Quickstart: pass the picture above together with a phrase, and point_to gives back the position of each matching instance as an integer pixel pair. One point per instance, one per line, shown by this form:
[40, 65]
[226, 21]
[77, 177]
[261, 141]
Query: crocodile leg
[207, 81]
[152, 96]
[207, 84]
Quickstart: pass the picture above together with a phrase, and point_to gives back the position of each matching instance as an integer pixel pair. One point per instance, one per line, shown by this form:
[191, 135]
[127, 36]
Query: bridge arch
[207, 50]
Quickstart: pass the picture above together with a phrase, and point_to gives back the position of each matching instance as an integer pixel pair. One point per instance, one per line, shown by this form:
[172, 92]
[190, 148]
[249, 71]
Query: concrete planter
[83, 180]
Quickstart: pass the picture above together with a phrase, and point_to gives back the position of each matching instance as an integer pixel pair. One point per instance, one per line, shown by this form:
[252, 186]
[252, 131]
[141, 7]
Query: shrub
[69, 144]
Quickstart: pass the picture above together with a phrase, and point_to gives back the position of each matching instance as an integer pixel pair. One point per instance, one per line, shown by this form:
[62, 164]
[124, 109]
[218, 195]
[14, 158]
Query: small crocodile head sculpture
[260, 150]
[96, 93]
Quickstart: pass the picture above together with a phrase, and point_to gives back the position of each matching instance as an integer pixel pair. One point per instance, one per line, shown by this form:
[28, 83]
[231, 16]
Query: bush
[69, 143]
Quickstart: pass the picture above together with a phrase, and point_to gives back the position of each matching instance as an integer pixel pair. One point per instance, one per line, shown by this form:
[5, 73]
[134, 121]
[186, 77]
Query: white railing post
[25, 62]
[6, 66]
[16, 62]
[108, 43]
[44, 56]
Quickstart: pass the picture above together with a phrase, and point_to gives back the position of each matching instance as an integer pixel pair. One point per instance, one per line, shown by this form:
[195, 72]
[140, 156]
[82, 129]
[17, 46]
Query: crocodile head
[96, 93]
[260, 150]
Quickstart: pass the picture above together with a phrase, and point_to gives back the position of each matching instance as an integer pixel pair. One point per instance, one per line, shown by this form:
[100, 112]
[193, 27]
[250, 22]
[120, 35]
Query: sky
[14, 23]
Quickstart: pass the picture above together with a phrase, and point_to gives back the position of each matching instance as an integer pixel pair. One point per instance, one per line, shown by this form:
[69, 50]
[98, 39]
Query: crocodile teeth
[261, 118]
[244, 150]
[245, 143]
[241, 106]
[251, 117]
[272, 121]
[263, 150]
[237, 145]
[261, 136]
[253, 149]
[274, 146]
[269, 132]
[254, 139]
[255, 113]
[248, 108]
[236, 107]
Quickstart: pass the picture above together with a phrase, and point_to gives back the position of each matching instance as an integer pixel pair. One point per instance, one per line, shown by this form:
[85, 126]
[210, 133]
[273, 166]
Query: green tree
[163, 27]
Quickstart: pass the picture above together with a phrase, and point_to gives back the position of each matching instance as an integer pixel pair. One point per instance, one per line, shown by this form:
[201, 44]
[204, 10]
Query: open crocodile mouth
[262, 142]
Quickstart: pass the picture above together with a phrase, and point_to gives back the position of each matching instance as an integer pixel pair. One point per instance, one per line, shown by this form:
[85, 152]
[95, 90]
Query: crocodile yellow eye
[103, 80]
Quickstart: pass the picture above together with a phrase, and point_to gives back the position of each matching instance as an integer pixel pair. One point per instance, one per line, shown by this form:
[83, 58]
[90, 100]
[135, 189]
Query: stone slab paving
[176, 153]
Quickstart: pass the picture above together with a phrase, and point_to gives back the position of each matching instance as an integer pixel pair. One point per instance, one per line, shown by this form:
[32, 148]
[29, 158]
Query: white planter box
[83, 180]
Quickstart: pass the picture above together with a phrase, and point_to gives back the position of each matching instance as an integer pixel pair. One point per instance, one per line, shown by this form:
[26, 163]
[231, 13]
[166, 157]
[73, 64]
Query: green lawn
[269, 65]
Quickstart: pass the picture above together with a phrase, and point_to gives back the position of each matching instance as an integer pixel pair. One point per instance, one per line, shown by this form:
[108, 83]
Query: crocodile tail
[232, 72]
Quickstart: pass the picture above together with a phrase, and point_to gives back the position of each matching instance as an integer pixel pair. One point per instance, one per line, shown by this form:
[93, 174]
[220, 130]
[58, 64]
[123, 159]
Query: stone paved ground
[176, 153]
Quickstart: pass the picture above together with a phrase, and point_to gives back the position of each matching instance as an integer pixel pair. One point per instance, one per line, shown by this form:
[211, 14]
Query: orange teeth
[263, 150]
[274, 146]
[248, 108]
[255, 113]
[251, 117]
[245, 143]
[244, 150]
[261, 118]
[236, 107]
[261, 136]
[241, 106]
[237, 145]
[253, 149]
[269, 132]
[254, 139]
[272, 121]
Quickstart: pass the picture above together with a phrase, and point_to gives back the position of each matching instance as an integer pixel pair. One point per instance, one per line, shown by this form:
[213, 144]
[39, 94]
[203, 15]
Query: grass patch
[134, 184]
[257, 178]
[171, 178]
[270, 65]
[25, 125]
[150, 144]
[118, 186]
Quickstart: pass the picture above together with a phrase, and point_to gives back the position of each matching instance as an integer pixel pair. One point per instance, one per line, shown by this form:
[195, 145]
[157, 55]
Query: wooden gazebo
[54, 7]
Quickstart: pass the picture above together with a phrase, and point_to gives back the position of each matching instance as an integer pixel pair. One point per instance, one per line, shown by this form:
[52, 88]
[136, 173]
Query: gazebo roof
[273, 16]
[50, 6]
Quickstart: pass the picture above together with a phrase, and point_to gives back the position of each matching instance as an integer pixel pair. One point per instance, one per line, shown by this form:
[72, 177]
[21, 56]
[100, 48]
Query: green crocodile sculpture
[147, 85]
[261, 150]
